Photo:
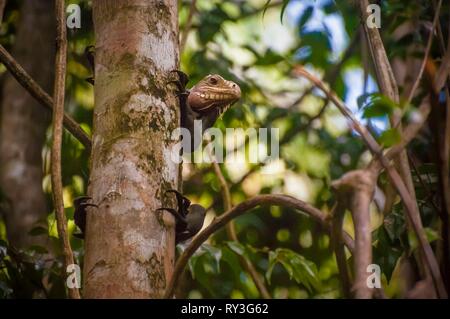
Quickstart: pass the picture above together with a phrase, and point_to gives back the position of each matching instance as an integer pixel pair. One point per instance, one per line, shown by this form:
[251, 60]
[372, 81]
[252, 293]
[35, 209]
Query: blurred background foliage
[257, 44]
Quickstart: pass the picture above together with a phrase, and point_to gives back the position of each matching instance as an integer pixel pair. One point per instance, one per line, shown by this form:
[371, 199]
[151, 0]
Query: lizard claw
[183, 78]
[189, 218]
[180, 82]
[79, 216]
[183, 202]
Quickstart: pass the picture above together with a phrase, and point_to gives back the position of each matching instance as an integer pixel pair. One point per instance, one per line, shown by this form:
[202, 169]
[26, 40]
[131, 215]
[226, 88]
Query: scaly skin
[213, 92]
[189, 218]
[205, 101]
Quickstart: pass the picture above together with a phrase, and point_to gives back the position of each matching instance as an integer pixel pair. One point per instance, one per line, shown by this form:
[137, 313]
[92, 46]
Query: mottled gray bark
[23, 125]
[130, 246]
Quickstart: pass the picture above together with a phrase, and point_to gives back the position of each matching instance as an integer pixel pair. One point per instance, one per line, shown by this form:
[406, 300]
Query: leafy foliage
[257, 44]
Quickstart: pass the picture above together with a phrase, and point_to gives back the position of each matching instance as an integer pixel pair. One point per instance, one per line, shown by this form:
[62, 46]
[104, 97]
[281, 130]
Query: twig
[338, 246]
[58, 113]
[238, 210]
[383, 69]
[388, 86]
[408, 201]
[231, 232]
[41, 96]
[440, 79]
[355, 190]
[425, 57]
[187, 27]
[2, 9]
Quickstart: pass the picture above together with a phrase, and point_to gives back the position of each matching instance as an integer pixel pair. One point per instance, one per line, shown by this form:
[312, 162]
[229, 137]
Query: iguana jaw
[213, 92]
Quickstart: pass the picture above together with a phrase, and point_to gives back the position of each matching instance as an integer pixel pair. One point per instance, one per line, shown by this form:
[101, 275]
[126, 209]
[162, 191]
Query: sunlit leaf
[210, 257]
[390, 137]
[236, 247]
[376, 105]
[298, 267]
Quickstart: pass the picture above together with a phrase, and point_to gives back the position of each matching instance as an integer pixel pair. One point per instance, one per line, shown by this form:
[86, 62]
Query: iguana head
[212, 92]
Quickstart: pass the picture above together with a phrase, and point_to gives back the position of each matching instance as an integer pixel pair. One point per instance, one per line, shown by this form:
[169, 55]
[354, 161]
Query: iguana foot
[80, 204]
[181, 82]
[189, 218]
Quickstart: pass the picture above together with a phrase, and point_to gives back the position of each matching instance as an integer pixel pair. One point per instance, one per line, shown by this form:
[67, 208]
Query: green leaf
[266, 6]
[229, 257]
[303, 271]
[211, 23]
[210, 257]
[283, 8]
[386, 251]
[431, 234]
[376, 105]
[269, 58]
[215, 254]
[306, 16]
[236, 247]
[390, 137]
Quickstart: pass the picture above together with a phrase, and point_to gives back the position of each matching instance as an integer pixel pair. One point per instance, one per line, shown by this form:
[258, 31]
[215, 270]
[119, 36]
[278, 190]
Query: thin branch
[2, 9]
[187, 27]
[58, 113]
[388, 86]
[425, 57]
[41, 96]
[441, 41]
[338, 247]
[408, 201]
[383, 69]
[355, 190]
[236, 211]
[443, 71]
[231, 232]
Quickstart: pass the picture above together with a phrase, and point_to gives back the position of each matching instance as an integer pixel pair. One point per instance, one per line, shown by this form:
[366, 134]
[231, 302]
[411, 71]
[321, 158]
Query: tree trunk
[129, 246]
[23, 125]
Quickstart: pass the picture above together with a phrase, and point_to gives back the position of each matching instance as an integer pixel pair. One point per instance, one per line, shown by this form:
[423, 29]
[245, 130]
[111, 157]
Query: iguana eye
[213, 80]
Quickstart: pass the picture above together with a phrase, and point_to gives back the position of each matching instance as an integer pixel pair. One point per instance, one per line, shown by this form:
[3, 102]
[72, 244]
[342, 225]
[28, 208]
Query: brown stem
[405, 195]
[355, 190]
[425, 57]
[58, 113]
[187, 27]
[231, 233]
[41, 96]
[383, 70]
[2, 9]
[338, 246]
[389, 88]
